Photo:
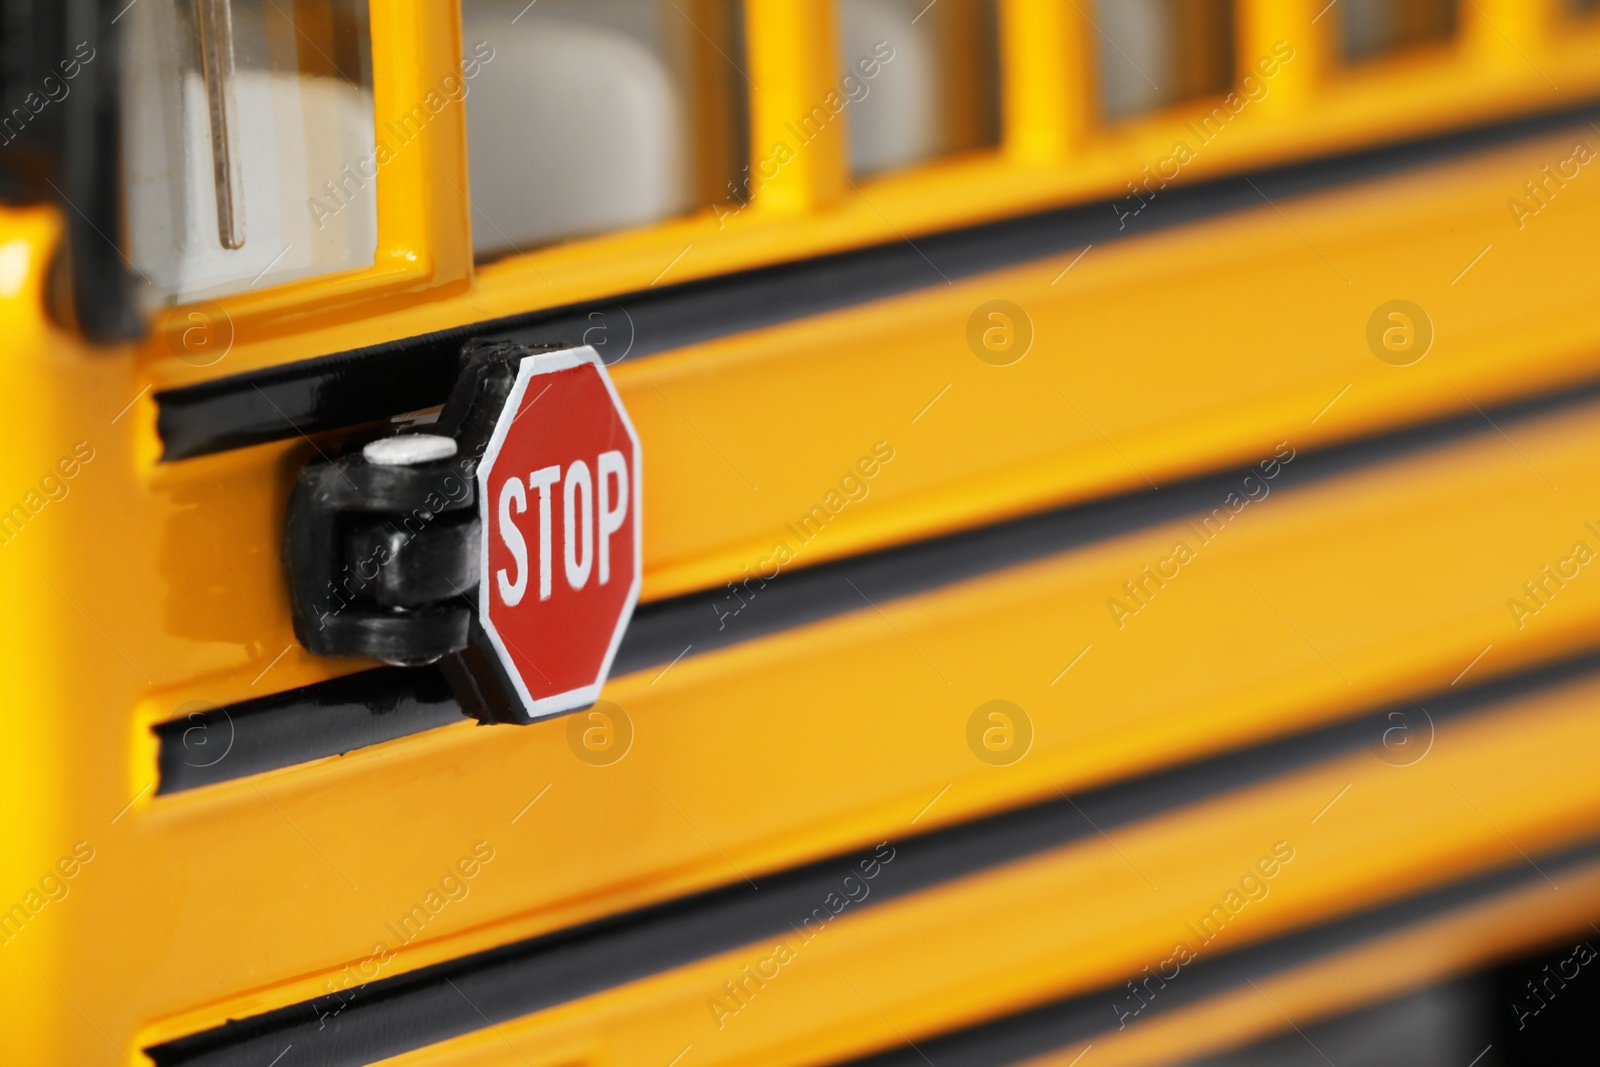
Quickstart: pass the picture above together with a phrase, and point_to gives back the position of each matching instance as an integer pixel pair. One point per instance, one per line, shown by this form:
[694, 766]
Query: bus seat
[572, 129]
[1134, 68]
[897, 123]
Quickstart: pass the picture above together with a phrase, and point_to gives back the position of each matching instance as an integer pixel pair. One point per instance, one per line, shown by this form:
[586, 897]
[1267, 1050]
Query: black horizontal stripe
[397, 1014]
[216, 744]
[382, 380]
[334, 717]
[1065, 1024]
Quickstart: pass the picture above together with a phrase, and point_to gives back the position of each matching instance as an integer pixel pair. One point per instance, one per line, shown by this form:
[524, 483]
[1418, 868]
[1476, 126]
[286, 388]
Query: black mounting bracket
[382, 559]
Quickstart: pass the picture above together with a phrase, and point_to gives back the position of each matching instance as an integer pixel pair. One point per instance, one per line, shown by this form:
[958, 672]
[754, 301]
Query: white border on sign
[534, 366]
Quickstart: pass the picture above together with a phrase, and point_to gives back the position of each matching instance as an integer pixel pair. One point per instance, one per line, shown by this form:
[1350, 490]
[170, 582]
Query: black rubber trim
[379, 381]
[692, 625]
[1065, 1024]
[431, 1004]
[216, 744]
[67, 152]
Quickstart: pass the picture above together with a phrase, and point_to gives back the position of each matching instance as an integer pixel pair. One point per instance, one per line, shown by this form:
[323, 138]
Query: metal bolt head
[408, 449]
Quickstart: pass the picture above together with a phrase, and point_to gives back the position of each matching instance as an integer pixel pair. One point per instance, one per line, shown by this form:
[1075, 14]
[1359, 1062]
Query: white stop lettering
[594, 507]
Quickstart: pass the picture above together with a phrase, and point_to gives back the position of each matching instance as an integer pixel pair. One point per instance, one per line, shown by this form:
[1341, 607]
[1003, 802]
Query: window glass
[920, 80]
[248, 148]
[596, 115]
[1375, 27]
[1158, 52]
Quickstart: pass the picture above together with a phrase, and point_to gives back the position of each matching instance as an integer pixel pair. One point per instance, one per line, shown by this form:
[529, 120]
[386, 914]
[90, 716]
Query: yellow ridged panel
[1090, 914]
[1152, 359]
[1433, 950]
[860, 725]
[147, 588]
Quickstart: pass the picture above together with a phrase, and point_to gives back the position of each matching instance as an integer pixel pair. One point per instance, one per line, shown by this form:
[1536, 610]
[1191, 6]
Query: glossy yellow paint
[854, 735]
[793, 48]
[1303, 83]
[1046, 61]
[1430, 952]
[1157, 327]
[1517, 779]
[148, 588]
[34, 763]
[1153, 359]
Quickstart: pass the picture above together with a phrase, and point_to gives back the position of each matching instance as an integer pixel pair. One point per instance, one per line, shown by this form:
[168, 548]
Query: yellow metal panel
[1152, 359]
[1505, 31]
[1519, 779]
[860, 727]
[148, 588]
[1046, 63]
[1261, 24]
[794, 67]
[1432, 951]
[34, 767]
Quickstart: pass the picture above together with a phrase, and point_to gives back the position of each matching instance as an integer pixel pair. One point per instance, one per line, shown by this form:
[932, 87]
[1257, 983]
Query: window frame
[1054, 150]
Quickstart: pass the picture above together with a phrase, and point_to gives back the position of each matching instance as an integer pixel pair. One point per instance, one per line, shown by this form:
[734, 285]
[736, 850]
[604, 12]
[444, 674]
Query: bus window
[922, 79]
[249, 155]
[1159, 52]
[1374, 28]
[596, 115]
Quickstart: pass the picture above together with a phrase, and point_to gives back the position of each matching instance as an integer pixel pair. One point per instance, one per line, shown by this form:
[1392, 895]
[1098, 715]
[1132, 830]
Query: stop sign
[559, 492]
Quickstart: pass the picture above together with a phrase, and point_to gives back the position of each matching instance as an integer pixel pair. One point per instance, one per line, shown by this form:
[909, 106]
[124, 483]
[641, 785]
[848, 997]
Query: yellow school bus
[1116, 487]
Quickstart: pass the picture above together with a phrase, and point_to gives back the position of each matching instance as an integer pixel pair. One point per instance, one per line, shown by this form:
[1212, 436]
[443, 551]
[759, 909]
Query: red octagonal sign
[559, 493]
